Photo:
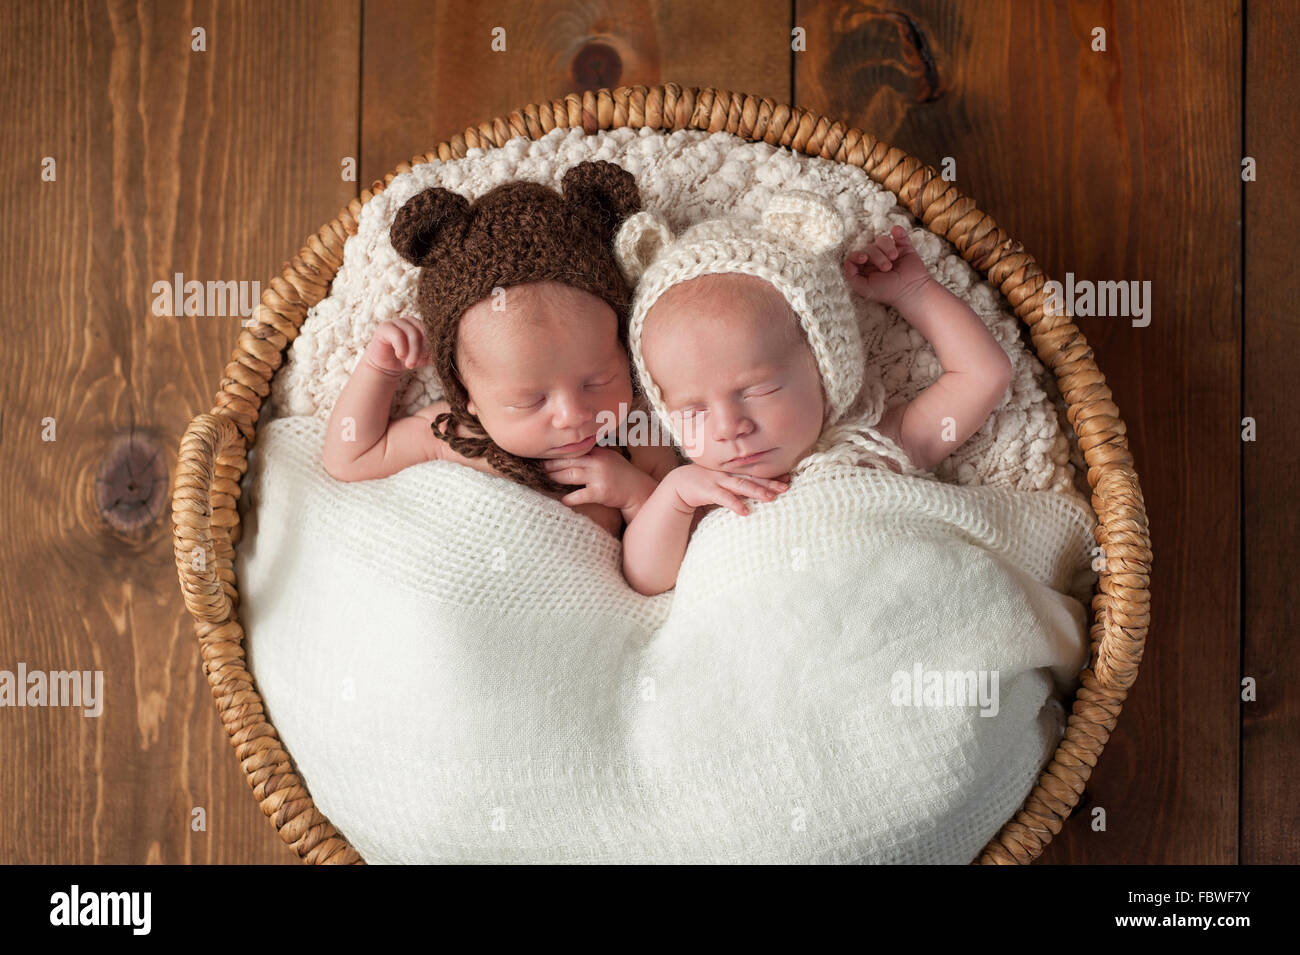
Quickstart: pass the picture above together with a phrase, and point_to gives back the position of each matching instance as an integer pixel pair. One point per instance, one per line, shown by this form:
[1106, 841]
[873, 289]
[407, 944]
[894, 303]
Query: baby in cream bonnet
[745, 342]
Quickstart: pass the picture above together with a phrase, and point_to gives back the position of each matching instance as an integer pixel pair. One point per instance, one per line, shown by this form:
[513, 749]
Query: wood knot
[597, 65]
[873, 44]
[131, 486]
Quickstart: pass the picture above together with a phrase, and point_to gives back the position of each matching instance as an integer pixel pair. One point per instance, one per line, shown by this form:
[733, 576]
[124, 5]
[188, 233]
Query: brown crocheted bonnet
[516, 233]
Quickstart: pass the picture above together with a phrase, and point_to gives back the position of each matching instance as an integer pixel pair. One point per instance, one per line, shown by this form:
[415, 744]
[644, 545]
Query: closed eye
[760, 394]
[524, 407]
[602, 384]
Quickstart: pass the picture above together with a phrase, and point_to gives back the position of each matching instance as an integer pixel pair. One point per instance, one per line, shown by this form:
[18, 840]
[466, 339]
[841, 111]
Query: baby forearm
[655, 543]
[360, 416]
[961, 340]
[642, 488]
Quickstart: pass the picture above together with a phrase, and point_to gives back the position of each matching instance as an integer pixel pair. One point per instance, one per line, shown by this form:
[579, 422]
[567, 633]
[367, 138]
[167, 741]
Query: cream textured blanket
[498, 694]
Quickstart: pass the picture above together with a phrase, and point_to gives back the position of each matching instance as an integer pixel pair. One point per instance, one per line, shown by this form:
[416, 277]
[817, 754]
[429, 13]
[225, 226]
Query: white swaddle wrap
[477, 683]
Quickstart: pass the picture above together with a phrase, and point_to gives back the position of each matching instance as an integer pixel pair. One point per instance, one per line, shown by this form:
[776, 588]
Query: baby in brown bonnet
[523, 314]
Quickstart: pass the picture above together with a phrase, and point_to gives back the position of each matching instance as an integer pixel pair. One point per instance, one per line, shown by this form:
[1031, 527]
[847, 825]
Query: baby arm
[976, 371]
[654, 544]
[361, 443]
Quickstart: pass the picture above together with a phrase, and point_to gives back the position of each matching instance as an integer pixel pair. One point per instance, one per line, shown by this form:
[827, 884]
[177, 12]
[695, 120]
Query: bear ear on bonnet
[639, 241]
[428, 220]
[805, 220]
[606, 193]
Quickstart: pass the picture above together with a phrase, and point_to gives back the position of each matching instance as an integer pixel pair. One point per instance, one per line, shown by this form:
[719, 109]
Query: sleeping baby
[746, 345]
[523, 316]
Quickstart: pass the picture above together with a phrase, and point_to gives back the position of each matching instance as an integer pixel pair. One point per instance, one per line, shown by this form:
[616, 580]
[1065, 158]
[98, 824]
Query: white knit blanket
[498, 694]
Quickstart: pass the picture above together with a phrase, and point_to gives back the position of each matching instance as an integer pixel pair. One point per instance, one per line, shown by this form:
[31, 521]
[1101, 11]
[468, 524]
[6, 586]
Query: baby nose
[731, 423]
[571, 411]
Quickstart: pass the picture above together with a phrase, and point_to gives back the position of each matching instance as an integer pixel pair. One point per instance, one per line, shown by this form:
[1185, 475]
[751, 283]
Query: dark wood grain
[1114, 166]
[1270, 814]
[213, 164]
[430, 70]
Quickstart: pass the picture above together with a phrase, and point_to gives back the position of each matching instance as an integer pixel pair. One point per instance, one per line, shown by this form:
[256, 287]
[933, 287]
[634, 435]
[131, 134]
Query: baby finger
[729, 500]
[878, 258]
[751, 487]
[412, 345]
[565, 475]
[581, 496]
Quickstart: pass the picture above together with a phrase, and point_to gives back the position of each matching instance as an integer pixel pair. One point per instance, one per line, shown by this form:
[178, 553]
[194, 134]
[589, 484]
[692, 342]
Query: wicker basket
[213, 452]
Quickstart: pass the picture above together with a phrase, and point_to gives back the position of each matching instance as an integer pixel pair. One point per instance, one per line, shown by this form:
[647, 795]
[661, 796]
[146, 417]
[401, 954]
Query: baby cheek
[620, 398]
[525, 438]
[516, 438]
[693, 436]
[798, 418]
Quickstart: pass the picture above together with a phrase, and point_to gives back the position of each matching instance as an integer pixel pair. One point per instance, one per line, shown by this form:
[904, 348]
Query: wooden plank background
[1115, 165]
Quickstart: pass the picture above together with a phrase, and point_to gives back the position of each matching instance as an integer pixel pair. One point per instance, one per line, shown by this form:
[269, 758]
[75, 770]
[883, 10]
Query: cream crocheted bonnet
[795, 246]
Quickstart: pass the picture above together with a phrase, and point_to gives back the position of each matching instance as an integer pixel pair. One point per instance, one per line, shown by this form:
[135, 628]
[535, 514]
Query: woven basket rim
[213, 450]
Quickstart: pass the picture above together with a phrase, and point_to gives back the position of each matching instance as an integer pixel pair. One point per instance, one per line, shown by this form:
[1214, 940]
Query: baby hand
[397, 345]
[609, 479]
[697, 486]
[887, 271]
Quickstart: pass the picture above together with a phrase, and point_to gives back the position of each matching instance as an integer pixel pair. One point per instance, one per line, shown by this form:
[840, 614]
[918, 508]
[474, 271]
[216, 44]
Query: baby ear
[640, 239]
[804, 219]
[606, 192]
[428, 219]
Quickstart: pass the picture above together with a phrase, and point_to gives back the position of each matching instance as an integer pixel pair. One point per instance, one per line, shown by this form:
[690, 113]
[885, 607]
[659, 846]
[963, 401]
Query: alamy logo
[922, 687]
[638, 429]
[102, 908]
[84, 688]
[178, 297]
[1100, 299]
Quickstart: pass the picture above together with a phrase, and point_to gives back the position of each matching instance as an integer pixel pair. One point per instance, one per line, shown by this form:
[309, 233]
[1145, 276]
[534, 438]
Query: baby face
[543, 372]
[736, 374]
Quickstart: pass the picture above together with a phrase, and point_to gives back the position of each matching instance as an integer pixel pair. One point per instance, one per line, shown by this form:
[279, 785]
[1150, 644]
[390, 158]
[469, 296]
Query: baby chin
[573, 451]
[773, 463]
